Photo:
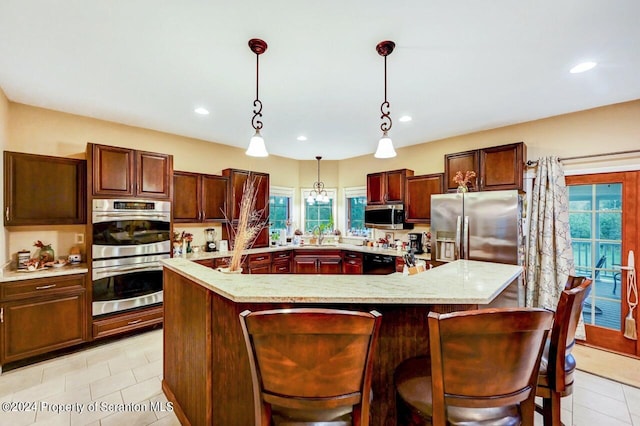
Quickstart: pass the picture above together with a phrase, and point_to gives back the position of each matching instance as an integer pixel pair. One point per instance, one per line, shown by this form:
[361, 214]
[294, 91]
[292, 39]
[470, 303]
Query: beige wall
[4, 130]
[606, 129]
[30, 129]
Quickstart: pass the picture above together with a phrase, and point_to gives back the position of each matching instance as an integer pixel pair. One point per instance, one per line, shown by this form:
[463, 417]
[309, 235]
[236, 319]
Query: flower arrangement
[46, 252]
[463, 181]
[250, 223]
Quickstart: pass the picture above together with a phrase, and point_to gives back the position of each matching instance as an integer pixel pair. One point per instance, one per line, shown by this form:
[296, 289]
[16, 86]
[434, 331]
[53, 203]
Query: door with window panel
[603, 216]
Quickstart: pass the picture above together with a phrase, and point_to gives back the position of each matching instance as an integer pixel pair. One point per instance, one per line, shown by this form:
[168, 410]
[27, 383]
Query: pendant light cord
[257, 111]
[386, 115]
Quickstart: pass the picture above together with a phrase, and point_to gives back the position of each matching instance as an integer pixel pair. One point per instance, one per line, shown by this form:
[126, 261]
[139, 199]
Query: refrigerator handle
[458, 249]
[465, 237]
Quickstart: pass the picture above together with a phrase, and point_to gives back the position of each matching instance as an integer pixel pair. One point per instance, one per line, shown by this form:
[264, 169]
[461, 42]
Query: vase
[47, 254]
[189, 247]
[227, 271]
[462, 188]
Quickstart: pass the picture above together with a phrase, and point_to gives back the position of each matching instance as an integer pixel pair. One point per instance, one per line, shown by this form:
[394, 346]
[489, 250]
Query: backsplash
[62, 238]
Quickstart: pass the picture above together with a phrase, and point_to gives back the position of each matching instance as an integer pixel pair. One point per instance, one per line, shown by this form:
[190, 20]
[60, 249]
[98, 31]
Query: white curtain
[550, 256]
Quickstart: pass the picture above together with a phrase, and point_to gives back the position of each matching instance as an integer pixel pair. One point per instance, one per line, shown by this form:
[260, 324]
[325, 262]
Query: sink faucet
[320, 234]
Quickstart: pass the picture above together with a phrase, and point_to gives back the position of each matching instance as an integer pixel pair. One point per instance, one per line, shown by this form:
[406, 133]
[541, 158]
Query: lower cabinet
[259, 263]
[352, 264]
[42, 315]
[205, 262]
[281, 262]
[317, 262]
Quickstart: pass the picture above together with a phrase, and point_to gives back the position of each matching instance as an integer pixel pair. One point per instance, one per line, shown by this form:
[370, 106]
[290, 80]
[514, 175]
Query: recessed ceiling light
[405, 118]
[582, 67]
[302, 138]
[201, 111]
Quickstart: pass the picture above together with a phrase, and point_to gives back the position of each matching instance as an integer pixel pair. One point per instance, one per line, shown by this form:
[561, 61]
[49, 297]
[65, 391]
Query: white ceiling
[459, 65]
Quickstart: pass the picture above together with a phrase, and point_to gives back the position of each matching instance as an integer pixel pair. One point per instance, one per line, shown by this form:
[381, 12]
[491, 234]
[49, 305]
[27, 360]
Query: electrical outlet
[79, 238]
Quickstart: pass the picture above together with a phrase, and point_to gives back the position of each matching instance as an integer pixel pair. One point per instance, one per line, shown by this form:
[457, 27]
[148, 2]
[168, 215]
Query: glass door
[603, 216]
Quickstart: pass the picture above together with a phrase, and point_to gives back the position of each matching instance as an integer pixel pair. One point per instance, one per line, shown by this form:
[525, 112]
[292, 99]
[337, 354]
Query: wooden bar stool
[482, 369]
[557, 365]
[311, 366]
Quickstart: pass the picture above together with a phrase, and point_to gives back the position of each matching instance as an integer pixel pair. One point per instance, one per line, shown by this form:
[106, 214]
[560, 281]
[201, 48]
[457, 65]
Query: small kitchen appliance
[415, 242]
[210, 238]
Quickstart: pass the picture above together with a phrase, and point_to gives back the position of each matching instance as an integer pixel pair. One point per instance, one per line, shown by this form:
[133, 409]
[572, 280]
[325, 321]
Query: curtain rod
[633, 151]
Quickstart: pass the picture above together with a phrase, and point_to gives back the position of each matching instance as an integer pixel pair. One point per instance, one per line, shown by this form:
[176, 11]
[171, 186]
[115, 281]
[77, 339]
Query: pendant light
[385, 145]
[318, 192]
[256, 145]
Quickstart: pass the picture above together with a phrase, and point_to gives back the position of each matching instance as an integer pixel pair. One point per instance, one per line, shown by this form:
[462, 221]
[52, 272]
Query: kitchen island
[206, 368]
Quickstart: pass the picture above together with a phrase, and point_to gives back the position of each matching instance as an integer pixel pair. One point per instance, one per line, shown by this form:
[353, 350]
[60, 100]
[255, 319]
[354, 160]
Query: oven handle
[130, 216]
[119, 270]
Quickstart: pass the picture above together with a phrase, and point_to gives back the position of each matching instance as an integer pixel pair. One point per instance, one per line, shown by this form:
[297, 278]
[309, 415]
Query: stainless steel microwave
[388, 216]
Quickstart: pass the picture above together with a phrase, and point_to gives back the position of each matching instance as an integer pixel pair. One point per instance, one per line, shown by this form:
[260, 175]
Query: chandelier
[256, 145]
[318, 193]
[385, 145]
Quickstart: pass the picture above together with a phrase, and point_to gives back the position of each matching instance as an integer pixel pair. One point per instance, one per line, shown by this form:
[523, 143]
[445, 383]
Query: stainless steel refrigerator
[483, 226]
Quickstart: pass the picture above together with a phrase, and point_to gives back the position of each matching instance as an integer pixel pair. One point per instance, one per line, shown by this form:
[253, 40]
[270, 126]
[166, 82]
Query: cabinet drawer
[221, 262]
[41, 286]
[281, 267]
[205, 262]
[281, 255]
[258, 259]
[127, 322]
[352, 255]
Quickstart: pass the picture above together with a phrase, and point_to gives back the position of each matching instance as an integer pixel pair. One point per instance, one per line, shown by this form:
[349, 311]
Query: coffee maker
[415, 242]
[210, 238]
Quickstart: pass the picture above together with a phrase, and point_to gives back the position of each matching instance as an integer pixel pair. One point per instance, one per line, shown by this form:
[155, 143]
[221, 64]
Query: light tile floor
[126, 374]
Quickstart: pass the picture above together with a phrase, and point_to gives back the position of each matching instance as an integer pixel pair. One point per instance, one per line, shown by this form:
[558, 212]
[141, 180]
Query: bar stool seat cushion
[413, 385]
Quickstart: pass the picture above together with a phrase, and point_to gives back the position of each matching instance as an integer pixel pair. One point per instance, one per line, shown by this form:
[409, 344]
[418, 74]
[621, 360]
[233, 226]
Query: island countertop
[459, 282]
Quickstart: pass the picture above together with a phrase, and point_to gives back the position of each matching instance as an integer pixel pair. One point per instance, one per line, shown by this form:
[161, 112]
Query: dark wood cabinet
[259, 263]
[44, 190]
[497, 168]
[317, 262]
[205, 262]
[235, 188]
[42, 315]
[387, 187]
[199, 197]
[281, 262]
[123, 172]
[352, 263]
[418, 196]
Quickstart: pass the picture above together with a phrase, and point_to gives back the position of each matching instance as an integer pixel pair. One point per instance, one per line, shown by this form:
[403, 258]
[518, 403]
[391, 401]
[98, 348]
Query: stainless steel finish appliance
[484, 226]
[388, 216]
[130, 237]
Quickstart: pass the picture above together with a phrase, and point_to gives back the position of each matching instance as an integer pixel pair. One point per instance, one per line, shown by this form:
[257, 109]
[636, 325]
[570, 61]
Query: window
[280, 209]
[355, 202]
[318, 213]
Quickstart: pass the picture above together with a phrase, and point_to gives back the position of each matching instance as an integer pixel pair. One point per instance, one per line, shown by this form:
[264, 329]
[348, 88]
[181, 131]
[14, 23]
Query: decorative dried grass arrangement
[250, 223]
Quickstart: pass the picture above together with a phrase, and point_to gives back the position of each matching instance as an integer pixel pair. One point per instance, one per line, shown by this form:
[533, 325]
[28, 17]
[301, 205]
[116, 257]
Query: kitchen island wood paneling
[206, 370]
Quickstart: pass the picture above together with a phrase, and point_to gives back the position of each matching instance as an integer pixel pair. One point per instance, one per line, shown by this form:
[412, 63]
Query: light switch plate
[79, 238]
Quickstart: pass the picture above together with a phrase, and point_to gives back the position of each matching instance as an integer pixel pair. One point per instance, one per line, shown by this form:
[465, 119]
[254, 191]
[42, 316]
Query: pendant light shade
[385, 145]
[257, 147]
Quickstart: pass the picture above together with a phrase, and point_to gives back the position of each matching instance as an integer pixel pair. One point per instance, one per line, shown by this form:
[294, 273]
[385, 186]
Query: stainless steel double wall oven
[130, 237]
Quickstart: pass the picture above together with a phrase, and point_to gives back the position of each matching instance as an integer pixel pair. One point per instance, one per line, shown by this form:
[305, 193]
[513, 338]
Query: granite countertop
[8, 275]
[459, 282]
[339, 246]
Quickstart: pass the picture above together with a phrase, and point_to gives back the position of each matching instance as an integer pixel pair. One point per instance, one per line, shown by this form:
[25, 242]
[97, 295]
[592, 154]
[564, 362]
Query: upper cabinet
[123, 172]
[199, 197]
[387, 187]
[497, 168]
[43, 190]
[235, 187]
[418, 199]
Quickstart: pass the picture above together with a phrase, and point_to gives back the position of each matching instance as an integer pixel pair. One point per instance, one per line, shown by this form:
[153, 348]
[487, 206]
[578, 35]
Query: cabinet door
[38, 325]
[419, 191]
[262, 195]
[461, 161]
[44, 190]
[153, 177]
[395, 185]
[214, 198]
[352, 267]
[305, 264]
[113, 170]
[502, 167]
[375, 188]
[237, 178]
[186, 197]
[330, 264]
